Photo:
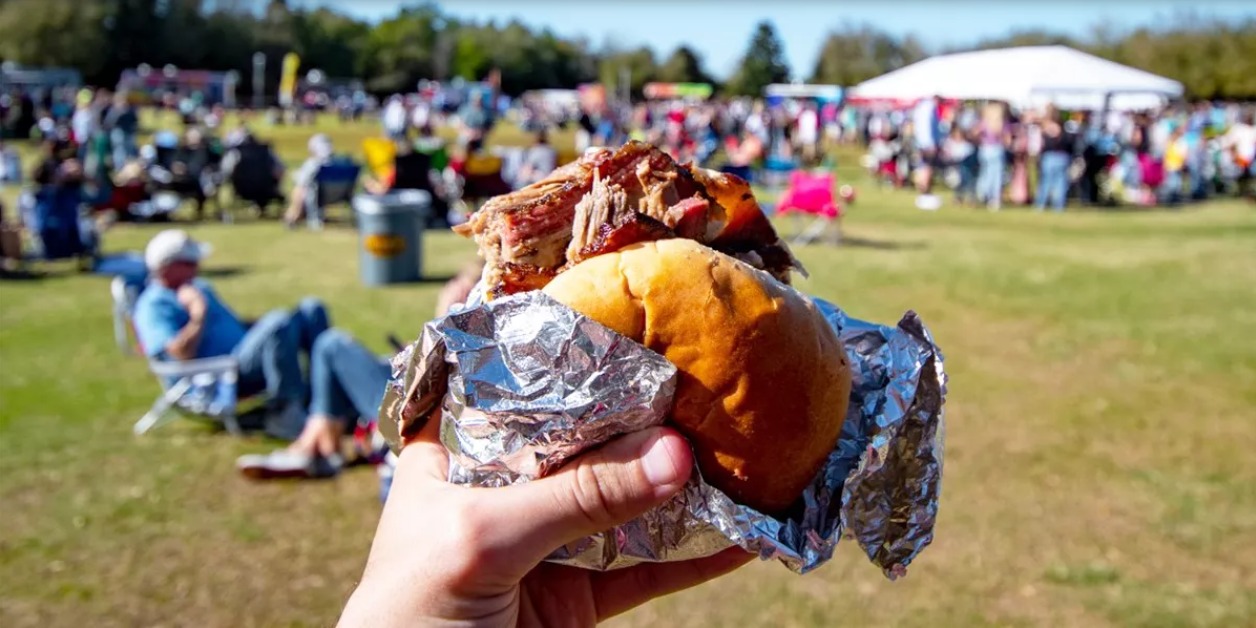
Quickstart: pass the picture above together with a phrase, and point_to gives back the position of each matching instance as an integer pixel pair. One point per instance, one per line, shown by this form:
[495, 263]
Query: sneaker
[285, 423]
[928, 202]
[282, 463]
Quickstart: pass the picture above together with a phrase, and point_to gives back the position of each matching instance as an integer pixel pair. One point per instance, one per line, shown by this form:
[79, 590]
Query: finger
[594, 493]
[424, 454]
[617, 591]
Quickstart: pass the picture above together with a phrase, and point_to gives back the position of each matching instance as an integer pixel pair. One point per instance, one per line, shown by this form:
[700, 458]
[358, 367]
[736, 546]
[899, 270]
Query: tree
[400, 49]
[101, 38]
[857, 53]
[329, 41]
[763, 64]
[64, 34]
[684, 66]
[639, 66]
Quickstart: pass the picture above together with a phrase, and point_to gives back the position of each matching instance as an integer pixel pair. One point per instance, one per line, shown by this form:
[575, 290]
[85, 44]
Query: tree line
[101, 38]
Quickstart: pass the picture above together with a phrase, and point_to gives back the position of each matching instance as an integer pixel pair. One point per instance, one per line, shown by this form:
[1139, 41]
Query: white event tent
[1029, 76]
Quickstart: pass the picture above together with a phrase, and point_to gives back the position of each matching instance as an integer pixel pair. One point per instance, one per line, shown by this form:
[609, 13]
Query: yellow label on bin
[382, 245]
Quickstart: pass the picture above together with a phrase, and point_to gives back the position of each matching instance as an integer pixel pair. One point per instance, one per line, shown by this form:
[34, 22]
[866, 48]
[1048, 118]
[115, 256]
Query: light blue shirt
[159, 316]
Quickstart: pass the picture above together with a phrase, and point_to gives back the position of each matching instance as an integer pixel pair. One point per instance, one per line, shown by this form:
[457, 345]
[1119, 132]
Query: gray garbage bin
[390, 236]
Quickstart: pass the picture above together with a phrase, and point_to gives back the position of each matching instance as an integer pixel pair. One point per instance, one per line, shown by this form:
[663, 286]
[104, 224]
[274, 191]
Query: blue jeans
[124, 149]
[967, 188]
[990, 179]
[1171, 189]
[1053, 180]
[346, 379]
[270, 353]
[1197, 184]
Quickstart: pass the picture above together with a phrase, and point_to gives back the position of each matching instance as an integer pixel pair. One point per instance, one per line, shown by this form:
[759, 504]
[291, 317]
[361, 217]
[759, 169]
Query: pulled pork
[607, 200]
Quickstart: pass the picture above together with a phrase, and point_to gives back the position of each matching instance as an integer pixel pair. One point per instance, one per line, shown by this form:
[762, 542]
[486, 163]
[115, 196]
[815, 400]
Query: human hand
[192, 300]
[445, 553]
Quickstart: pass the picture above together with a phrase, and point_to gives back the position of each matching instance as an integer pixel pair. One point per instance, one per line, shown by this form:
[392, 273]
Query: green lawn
[1100, 464]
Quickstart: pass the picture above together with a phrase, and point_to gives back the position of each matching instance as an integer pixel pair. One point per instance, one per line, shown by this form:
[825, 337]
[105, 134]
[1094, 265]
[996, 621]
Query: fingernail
[666, 460]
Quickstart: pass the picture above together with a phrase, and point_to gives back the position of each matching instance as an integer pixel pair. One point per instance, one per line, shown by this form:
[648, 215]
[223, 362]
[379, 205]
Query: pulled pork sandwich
[609, 199]
[682, 260]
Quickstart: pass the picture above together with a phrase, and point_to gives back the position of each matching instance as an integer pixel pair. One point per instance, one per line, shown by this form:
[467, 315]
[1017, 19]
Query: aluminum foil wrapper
[521, 384]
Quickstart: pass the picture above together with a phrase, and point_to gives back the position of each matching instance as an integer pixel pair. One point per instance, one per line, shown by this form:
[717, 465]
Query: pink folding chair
[809, 198]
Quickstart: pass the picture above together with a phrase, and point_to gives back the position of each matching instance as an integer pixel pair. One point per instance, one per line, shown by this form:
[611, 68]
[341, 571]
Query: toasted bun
[764, 381]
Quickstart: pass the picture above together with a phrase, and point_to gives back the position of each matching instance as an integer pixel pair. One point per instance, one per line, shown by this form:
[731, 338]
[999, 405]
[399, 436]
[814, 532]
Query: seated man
[190, 167]
[179, 317]
[321, 152]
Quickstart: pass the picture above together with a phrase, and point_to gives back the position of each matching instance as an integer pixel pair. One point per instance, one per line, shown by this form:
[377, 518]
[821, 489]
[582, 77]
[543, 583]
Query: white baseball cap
[173, 245]
[320, 146]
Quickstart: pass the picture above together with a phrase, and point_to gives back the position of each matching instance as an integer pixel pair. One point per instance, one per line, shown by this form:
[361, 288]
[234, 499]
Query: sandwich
[683, 260]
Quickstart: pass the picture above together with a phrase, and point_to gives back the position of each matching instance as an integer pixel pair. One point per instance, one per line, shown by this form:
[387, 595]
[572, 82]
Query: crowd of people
[991, 155]
[988, 154]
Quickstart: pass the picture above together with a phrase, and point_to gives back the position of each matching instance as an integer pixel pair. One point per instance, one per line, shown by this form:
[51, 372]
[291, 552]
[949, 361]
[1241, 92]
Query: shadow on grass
[424, 280]
[219, 272]
[884, 245]
[21, 275]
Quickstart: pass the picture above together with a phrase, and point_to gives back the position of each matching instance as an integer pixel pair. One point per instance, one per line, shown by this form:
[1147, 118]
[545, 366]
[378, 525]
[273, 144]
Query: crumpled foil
[524, 383]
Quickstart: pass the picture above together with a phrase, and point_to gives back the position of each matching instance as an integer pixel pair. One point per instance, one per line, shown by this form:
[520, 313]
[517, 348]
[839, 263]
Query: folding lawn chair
[810, 197]
[334, 183]
[203, 388]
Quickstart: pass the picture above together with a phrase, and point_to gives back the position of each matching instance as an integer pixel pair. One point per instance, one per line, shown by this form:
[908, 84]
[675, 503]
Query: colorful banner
[288, 80]
[669, 91]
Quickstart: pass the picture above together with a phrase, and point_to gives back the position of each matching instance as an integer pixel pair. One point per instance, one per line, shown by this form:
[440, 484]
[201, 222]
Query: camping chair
[811, 195]
[415, 171]
[252, 176]
[204, 388]
[334, 183]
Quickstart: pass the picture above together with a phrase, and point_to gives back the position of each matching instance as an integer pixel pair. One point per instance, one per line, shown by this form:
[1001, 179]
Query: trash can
[390, 228]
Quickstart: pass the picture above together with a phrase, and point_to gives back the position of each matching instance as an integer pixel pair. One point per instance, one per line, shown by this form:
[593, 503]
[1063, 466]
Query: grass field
[1101, 428]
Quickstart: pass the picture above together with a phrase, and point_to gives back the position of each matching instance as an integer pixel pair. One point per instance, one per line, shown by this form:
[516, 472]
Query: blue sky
[720, 30]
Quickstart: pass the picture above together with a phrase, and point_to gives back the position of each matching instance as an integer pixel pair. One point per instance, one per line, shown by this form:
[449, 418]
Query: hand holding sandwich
[448, 553]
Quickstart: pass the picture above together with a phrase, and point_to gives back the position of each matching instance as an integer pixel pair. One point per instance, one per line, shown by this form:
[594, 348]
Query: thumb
[598, 490]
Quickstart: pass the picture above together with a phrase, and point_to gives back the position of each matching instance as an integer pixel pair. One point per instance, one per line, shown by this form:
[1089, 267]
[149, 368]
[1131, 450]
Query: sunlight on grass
[1100, 432]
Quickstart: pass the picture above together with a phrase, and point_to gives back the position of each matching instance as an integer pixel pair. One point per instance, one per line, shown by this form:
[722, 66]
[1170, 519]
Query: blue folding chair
[335, 183]
[205, 388]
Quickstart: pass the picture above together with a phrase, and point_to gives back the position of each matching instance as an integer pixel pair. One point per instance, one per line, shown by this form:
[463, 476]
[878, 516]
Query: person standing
[992, 137]
[1057, 153]
[1176, 153]
[1240, 140]
[962, 155]
[394, 118]
[926, 131]
[123, 123]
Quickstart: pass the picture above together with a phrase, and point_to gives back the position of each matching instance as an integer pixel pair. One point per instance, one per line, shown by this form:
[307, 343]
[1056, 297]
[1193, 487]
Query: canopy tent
[1023, 77]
